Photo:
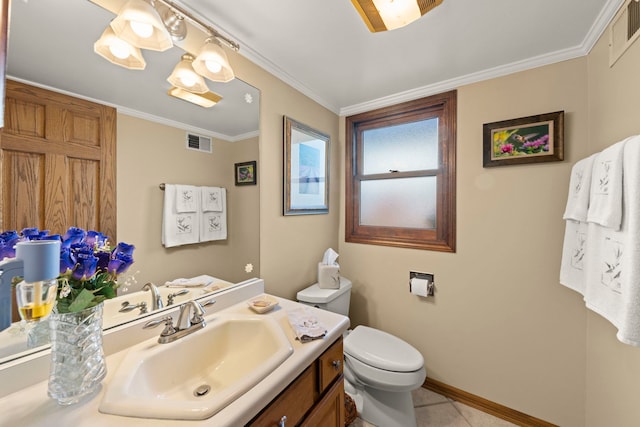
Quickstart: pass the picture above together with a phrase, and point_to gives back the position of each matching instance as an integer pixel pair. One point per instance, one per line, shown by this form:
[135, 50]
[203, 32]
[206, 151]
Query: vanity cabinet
[314, 399]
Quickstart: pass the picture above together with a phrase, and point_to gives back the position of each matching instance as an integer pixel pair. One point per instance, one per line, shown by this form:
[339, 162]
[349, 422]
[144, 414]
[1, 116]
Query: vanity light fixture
[205, 100]
[175, 25]
[185, 77]
[139, 23]
[383, 15]
[159, 25]
[114, 49]
[212, 62]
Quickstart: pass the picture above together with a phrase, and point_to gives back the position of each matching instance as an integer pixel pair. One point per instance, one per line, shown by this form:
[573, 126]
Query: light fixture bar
[212, 32]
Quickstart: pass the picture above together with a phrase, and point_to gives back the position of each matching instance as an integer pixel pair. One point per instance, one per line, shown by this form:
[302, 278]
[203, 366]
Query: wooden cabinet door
[57, 162]
[330, 410]
[4, 19]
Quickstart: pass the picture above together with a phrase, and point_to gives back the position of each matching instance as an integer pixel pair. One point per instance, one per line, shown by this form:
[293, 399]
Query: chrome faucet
[156, 301]
[184, 319]
[190, 319]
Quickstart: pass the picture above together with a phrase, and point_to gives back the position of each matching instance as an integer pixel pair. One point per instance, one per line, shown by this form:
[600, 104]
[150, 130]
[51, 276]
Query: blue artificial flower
[67, 261]
[73, 235]
[85, 267]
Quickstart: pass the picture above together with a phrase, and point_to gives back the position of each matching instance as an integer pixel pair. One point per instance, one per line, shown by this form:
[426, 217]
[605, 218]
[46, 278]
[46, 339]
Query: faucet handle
[198, 313]
[169, 329]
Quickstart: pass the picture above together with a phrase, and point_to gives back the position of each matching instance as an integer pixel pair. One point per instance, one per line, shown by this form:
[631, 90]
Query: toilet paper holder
[429, 277]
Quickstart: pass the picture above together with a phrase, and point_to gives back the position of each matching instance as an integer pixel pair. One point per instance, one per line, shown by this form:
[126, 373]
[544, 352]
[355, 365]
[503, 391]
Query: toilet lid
[382, 350]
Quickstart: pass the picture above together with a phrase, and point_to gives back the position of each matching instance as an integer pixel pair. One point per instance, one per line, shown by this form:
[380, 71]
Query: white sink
[197, 375]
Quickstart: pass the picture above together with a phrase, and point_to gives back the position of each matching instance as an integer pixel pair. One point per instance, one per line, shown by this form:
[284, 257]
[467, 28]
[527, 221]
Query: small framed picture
[532, 139]
[246, 173]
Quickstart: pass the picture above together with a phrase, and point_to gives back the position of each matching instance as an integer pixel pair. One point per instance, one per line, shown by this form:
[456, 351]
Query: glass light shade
[383, 15]
[212, 63]
[119, 52]
[184, 76]
[205, 100]
[139, 24]
[397, 13]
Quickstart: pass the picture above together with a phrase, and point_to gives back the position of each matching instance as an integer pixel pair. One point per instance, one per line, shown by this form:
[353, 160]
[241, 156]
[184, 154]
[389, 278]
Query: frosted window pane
[405, 147]
[403, 202]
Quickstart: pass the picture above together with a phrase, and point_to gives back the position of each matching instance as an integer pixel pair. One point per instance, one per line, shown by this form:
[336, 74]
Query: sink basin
[197, 375]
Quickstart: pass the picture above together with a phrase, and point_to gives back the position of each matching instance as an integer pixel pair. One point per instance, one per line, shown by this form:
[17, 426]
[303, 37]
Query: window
[400, 175]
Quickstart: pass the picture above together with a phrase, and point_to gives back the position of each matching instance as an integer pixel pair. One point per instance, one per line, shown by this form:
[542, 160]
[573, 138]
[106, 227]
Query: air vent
[199, 143]
[624, 30]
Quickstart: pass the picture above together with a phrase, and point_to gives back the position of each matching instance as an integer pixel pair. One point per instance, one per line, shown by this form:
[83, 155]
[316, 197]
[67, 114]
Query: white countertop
[31, 407]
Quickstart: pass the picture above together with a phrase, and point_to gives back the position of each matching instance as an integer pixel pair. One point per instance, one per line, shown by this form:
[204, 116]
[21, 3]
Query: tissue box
[328, 276]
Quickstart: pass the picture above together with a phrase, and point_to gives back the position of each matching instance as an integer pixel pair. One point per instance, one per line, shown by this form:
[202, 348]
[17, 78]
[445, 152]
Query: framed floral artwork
[246, 173]
[306, 169]
[532, 139]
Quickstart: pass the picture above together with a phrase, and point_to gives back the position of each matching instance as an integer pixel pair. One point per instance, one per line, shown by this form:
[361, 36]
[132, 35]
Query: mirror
[51, 45]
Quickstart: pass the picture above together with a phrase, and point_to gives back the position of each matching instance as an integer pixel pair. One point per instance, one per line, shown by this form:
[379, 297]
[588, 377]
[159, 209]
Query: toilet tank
[334, 300]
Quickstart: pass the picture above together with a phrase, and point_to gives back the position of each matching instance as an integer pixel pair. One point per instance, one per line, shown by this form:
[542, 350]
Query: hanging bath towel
[178, 228]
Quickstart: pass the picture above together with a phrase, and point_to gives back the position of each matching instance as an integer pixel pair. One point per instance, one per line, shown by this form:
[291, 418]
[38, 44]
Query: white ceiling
[325, 49]
[320, 47]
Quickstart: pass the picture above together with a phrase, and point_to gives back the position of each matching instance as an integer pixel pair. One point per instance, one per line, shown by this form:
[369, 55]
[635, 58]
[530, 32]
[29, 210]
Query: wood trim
[485, 405]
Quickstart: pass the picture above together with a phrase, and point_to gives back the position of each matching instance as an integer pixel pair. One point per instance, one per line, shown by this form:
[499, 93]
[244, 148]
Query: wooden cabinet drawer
[330, 365]
[293, 403]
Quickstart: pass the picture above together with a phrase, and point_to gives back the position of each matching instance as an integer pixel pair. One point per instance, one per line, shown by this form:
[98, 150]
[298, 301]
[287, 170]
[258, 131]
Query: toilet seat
[381, 350]
[358, 372]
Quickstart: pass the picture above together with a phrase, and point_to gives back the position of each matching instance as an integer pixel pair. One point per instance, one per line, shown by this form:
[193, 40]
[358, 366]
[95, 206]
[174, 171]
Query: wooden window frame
[443, 237]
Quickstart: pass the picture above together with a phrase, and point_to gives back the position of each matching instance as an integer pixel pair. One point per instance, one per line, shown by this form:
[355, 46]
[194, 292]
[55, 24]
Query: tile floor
[434, 410]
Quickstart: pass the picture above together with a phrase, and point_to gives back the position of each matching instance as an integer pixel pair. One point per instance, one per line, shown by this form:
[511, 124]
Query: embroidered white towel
[579, 189]
[612, 267]
[305, 324]
[211, 199]
[574, 251]
[605, 198]
[187, 198]
[178, 228]
[214, 224]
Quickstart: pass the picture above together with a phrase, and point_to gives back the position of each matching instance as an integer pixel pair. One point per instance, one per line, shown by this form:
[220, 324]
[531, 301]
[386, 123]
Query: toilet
[380, 369]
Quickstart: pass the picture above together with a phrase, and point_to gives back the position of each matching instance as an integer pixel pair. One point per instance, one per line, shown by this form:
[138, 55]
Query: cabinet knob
[336, 364]
[283, 421]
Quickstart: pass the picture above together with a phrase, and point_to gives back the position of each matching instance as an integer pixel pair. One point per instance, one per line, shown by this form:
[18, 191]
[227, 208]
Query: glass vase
[77, 359]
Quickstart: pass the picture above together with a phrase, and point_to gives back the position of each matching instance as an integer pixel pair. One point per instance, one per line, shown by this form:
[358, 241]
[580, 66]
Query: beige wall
[613, 368]
[149, 154]
[499, 326]
[290, 246]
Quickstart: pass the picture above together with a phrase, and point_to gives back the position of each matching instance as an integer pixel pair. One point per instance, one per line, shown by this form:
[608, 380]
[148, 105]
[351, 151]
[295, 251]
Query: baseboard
[485, 405]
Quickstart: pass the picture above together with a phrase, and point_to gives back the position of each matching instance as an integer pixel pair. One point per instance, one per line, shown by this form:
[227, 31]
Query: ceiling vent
[624, 30]
[199, 143]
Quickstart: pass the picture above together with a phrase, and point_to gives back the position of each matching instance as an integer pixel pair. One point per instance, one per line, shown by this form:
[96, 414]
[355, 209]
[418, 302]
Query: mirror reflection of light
[187, 79]
[142, 29]
[119, 48]
[213, 66]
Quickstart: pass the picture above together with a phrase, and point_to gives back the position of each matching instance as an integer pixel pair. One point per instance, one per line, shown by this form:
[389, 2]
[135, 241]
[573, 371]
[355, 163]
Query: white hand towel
[187, 198]
[194, 282]
[579, 189]
[605, 198]
[612, 264]
[178, 228]
[306, 325]
[214, 224]
[211, 199]
[574, 251]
